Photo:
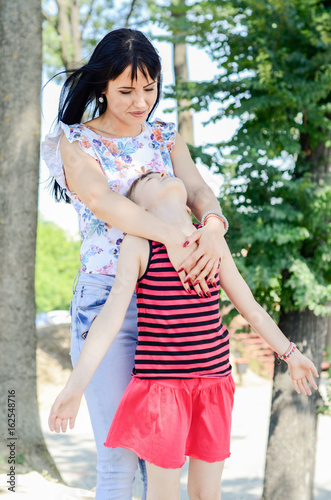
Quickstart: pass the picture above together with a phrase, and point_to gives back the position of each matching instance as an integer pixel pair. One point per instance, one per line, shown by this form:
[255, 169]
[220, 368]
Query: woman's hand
[209, 245]
[178, 254]
[302, 371]
[64, 410]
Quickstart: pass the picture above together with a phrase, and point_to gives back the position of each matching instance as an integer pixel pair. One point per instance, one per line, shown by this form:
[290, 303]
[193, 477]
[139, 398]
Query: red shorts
[163, 421]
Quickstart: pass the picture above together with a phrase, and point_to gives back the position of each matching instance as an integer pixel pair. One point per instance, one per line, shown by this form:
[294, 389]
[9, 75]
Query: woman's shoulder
[50, 147]
[75, 131]
[163, 132]
[158, 123]
[72, 132]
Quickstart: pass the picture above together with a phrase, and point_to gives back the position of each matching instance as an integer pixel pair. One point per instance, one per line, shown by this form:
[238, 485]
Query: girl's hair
[114, 53]
[132, 188]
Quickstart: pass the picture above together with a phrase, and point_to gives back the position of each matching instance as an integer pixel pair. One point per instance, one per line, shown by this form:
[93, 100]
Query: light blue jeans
[115, 467]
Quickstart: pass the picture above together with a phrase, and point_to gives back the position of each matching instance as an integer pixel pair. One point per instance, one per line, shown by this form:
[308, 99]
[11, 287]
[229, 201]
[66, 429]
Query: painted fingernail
[208, 294]
[188, 280]
[196, 282]
[208, 282]
[186, 243]
[201, 295]
[180, 270]
[188, 290]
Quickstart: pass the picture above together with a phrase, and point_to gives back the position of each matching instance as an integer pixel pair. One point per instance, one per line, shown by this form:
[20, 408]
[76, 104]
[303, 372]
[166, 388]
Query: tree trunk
[185, 119]
[20, 82]
[76, 34]
[69, 33]
[290, 460]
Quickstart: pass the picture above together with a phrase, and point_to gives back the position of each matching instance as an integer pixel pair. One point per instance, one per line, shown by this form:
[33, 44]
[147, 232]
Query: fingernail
[196, 282]
[208, 294]
[180, 270]
[201, 294]
[186, 243]
[188, 290]
[187, 280]
[208, 282]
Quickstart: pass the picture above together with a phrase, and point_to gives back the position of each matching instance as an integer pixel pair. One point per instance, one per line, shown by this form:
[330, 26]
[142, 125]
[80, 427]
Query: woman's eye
[124, 93]
[149, 90]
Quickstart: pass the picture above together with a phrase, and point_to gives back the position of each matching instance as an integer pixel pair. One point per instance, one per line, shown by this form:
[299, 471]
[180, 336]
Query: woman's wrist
[215, 214]
[216, 224]
[171, 236]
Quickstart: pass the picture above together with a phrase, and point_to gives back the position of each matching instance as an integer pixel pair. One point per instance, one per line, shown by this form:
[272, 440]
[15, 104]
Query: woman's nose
[164, 174]
[140, 101]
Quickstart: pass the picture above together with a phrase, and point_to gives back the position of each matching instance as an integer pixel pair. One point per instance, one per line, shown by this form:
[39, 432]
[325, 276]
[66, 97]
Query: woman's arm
[85, 178]
[134, 253]
[301, 368]
[200, 200]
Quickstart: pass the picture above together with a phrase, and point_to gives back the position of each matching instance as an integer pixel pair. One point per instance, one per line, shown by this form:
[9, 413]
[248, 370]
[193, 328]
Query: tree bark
[69, 32]
[290, 460]
[20, 83]
[76, 33]
[185, 119]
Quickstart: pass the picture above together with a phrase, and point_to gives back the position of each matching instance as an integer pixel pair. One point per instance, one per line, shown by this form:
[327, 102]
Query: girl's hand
[302, 371]
[202, 265]
[64, 410]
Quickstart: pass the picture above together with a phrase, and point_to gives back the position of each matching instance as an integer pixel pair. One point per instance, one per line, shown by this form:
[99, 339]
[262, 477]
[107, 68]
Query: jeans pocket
[88, 300]
[84, 319]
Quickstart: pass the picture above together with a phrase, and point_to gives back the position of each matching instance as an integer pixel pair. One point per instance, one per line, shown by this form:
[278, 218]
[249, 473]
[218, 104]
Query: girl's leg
[163, 484]
[115, 467]
[204, 480]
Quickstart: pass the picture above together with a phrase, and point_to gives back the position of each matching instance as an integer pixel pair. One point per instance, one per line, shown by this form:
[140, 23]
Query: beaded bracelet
[287, 353]
[217, 214]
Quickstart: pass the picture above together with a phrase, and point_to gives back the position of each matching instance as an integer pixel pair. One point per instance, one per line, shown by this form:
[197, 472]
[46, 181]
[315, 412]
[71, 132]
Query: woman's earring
[101, 99]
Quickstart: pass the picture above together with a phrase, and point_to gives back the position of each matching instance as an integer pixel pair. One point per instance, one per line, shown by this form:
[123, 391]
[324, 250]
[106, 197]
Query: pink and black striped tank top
[180, 334]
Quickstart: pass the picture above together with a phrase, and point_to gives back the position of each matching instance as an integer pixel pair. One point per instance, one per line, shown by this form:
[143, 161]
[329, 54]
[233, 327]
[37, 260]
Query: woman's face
[130, 101]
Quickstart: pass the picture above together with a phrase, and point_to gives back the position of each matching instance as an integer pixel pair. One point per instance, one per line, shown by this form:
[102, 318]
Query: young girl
[180, 398]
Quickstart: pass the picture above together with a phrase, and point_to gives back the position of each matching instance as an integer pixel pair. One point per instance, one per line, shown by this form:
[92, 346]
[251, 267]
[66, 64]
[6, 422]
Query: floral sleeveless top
[121, 160]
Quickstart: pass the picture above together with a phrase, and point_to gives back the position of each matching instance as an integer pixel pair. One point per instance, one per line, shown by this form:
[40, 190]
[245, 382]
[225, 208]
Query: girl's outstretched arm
[301, 368]
[134, 253]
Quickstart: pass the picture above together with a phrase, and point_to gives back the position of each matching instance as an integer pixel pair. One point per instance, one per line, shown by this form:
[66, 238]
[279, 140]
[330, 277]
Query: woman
[93, 164]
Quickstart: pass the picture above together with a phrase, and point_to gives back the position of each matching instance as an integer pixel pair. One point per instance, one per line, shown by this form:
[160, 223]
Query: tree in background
[57, 261]
[172, 18]
[20, 80]
[72, 28]
[275, 76]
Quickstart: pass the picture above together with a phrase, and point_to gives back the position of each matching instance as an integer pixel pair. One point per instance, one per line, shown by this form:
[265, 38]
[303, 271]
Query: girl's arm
[301, 368]
[200, 199]
[133, 255]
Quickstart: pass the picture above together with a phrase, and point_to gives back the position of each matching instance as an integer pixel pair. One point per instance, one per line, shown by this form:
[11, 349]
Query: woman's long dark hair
[113, 54]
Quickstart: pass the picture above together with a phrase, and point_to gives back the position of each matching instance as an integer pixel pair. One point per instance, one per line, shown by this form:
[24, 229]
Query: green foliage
[95, 19]
[274, 62]
[57, 262]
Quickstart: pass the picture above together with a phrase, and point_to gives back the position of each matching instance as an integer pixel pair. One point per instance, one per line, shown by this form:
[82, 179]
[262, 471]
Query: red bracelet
[216, 218]
[287, 353]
